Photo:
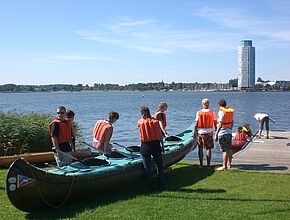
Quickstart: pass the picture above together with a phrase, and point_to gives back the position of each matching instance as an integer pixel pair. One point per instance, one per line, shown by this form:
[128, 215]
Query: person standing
[150, 136]
[262, 119]
[103, 132]
[70, 115]
[61, 137]
[161, 117]
[204, 121]
[223, 133]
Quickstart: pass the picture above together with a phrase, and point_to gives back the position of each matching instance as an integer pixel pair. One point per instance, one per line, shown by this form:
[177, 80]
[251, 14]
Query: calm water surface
[91, 106]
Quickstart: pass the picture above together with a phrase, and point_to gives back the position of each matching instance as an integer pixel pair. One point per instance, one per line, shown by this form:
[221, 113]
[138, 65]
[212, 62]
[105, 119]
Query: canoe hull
[30, 188]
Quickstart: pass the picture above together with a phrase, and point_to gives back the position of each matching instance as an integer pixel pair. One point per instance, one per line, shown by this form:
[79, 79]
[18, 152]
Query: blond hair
[205, 101]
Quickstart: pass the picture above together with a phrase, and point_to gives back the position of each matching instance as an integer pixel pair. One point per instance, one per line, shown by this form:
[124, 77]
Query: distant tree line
[157, 86]
[152, 86]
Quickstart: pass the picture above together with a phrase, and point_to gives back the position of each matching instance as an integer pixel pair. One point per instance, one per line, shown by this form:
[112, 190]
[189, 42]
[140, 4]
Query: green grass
[192, 193]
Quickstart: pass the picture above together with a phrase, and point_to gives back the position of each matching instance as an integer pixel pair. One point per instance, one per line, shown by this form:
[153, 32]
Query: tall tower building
[246, 76]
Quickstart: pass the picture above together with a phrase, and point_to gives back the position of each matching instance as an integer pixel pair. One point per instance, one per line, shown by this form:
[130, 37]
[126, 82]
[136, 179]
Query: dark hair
[240, 128]
[113, 115]
[61, 108]
[222, 103]
[70, 114]
[145, 112]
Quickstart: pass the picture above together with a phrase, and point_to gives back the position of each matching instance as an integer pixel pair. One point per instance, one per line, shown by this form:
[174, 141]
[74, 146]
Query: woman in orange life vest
[70, 115]
[61, 137]
[161, 117]
[103, 132]
[239, 139]
[224, 133]
[150, 136]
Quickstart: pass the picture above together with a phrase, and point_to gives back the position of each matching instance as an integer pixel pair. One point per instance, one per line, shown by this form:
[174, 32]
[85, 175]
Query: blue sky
[129, 41]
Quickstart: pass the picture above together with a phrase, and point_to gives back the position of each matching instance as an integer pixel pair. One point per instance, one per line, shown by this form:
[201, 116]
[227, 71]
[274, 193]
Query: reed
[20, 133]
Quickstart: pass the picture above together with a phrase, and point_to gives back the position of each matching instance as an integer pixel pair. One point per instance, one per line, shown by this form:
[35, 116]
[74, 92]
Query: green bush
[21, 133]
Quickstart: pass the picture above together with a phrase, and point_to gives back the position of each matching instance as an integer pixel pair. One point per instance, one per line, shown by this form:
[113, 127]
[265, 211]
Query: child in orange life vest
[247, 130]
[103, 132]
[239, 139]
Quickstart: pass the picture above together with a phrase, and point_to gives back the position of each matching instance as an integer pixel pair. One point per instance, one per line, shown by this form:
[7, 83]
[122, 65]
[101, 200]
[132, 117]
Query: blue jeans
[147, 170]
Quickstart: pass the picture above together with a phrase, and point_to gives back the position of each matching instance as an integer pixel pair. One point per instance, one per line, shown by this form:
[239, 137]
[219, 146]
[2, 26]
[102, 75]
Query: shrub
[21, 133]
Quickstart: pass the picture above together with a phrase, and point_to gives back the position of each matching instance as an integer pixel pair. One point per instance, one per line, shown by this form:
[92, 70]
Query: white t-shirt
[259, 116]
[204, 130]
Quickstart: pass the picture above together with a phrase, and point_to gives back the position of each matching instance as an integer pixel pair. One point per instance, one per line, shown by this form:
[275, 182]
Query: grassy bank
[192, 193]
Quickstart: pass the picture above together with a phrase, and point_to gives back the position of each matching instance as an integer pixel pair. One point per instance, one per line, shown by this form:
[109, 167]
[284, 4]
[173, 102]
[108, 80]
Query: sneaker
[220, 169]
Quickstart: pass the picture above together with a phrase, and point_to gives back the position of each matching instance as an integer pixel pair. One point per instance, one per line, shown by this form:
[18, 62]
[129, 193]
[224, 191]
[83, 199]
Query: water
[182, 106]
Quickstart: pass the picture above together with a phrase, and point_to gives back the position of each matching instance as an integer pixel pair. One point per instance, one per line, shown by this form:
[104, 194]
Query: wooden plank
[266, 155]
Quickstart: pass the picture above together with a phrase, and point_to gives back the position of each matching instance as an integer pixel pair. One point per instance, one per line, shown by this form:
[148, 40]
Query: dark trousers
[147, 170]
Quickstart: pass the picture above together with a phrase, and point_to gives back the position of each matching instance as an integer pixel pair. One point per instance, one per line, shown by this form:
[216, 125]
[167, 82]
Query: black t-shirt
[65, 147]
[160, 117]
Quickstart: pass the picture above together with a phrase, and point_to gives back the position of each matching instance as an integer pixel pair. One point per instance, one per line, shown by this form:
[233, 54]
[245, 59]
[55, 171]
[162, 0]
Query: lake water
[182, 106]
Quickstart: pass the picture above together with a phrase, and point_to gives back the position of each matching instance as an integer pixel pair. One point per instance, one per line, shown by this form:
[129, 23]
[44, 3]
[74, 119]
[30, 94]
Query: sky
[129, 41]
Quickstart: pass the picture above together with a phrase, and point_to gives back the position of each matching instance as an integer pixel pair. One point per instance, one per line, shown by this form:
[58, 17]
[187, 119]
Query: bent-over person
[103, 132]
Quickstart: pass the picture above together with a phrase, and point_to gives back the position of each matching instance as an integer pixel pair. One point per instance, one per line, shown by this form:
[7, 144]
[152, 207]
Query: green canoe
[30, 188]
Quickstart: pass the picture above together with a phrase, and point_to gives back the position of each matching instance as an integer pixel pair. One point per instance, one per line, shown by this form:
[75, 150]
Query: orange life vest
[163, 116]
[100, 130]
[240, 136]
[205, 119]
[65, 131]
[149, 129]
[228, 118]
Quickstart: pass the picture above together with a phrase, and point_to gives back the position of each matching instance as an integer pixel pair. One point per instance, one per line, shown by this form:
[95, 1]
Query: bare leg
[225, 160]
[208, 156]
[200, 155]
[230, 156]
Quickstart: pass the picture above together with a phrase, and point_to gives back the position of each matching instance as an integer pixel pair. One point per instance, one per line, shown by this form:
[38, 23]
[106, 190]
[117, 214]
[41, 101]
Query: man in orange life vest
[204, 121]
[61, 137]
[103, 132]
[224, 133]
[161, 117]
[150, 136]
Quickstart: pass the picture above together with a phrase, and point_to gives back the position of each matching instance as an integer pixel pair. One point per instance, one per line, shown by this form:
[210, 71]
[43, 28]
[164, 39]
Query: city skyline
[123, 42]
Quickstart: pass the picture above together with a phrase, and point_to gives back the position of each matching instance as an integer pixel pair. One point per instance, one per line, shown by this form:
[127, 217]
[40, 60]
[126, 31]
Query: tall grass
[20, 133]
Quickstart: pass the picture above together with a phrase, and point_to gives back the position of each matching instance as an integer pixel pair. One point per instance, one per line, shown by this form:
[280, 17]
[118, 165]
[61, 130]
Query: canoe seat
[115, 154]
[91, 161]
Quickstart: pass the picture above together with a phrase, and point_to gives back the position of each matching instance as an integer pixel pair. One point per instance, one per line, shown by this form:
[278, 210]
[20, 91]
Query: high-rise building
[246, 76]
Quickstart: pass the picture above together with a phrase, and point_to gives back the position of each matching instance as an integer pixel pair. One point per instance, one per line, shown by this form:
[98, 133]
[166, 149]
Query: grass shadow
[177, 178]
[260, 167]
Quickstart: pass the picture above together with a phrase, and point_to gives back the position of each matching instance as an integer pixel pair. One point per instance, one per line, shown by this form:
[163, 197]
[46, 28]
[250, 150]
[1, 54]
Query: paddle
[249, 140]
[86, 162]
[113, 154]
[130, 148]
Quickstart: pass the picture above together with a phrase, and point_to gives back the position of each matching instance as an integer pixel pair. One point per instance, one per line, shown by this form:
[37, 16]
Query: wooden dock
[266, 155]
